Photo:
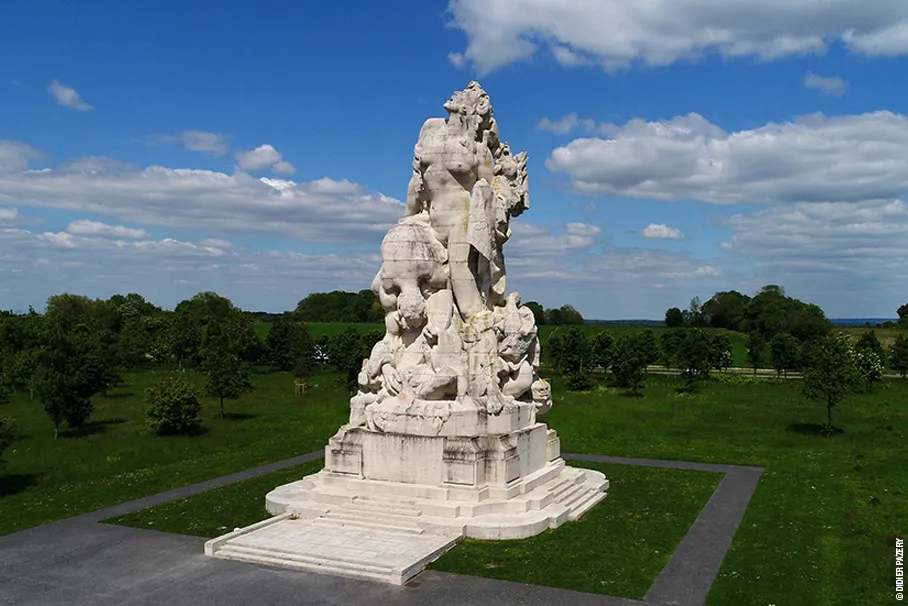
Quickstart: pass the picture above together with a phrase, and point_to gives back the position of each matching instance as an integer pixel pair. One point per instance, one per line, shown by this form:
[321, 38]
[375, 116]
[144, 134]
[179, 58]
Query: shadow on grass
[238, 416]
[814, 429]
[16, 482]
[117, 395]
[91, 428]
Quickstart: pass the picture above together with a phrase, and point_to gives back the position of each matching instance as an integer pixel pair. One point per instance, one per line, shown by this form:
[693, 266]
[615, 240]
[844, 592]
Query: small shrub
[174, 407]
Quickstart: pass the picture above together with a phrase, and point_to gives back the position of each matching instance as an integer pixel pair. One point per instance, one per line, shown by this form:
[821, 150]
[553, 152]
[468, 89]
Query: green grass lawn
[618, 548]
[115, 459]
[216, 512]
[820, 528]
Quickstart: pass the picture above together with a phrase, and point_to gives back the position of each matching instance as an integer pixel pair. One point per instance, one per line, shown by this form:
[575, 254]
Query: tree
[868, 341]
[694, 316]
[868, 369]
[221, 353]
[695, 355]
[903, 315]
[279, 344]
[173, 407]
[553, 317]
[756, 350]
[339, 306]
[302, 351]
[726, 309]
[674, 318]
[649, 348]
[346, 351]
[898, 355]
[785, 353]
[670, 341]
[629, 361]
[720, 351]
[538, 312]
[603, 343]
[7, 435]
[72, 364]
[573, 357]
[830, 373]
[569, 315]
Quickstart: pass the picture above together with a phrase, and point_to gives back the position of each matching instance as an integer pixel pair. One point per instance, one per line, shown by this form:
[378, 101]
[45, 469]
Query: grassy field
[213, 513]
[819, 530]
[115, 459]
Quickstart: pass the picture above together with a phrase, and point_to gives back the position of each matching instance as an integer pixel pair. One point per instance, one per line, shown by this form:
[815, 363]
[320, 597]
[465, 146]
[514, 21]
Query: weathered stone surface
[443, 435]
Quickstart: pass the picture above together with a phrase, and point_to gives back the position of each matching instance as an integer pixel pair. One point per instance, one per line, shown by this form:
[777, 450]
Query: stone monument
[443, 440]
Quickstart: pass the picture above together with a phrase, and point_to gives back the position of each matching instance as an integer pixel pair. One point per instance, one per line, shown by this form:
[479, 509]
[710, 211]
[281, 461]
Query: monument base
[422, 495]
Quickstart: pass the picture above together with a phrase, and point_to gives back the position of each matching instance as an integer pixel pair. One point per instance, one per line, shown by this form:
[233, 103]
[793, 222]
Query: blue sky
[262, 151]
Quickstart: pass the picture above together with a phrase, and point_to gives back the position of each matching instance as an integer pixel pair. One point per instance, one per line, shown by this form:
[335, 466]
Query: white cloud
[617, 33]
[568, 58]
[15, 156]
[9, 216]
[832, 85]
[68, 97]
[660, 231]
[264, 156]
[457, 60]
[319, 211]
[851, 257]
[86, 227]
[201, 141]
[34, 266]
[815, 158]
[566, 124]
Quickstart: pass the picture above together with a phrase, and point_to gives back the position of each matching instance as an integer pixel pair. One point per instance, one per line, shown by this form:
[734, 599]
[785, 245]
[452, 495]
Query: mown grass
[114, 458]
[219, 511]
[820, 528]
[617, 548]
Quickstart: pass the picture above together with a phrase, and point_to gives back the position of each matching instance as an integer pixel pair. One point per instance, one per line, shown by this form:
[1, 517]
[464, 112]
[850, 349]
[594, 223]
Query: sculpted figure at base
[453, 339]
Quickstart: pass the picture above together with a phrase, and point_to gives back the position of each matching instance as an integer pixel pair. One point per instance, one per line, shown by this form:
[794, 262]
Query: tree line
[80, 348]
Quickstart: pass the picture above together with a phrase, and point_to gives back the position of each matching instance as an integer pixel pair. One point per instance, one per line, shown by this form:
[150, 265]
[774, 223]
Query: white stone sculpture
[443, 425]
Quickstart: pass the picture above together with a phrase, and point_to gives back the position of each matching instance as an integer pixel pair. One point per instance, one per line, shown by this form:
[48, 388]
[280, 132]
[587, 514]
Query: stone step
[371, 517]
[310, 563]
[568, 493]
[576, 498]
[392, 500]
[585, 505]
[351, 562]
[342, 523]
[381, 508]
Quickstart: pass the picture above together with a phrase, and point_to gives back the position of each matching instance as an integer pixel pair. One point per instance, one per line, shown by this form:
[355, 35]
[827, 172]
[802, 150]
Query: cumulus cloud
[849, 256]
[617, 33]
[319, 211]
[661, 231]
[15, 156]
[264, 156]
[67, 96]
[814, 158]
[832, 85]
[86, 227]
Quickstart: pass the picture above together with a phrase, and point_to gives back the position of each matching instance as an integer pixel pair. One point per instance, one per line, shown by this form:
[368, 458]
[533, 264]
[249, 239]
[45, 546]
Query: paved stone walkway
[78, 561]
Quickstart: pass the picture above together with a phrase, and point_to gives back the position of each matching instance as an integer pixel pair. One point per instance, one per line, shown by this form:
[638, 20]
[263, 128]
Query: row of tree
[80, 347]
[575, 354]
